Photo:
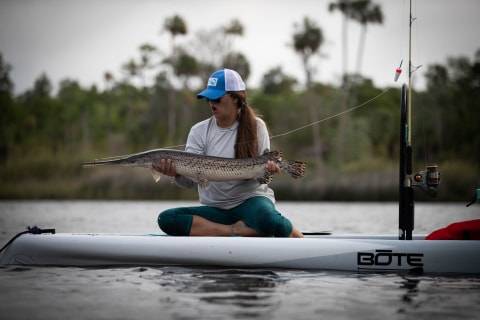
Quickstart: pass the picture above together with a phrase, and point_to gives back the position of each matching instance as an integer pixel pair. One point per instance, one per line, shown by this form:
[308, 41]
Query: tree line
[152, 104]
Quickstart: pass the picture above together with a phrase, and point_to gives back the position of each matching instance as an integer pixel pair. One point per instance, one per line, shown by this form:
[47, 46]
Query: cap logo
[212, 82]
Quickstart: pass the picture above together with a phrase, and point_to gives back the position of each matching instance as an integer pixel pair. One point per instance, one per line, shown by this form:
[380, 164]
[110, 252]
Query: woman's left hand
[272, 167]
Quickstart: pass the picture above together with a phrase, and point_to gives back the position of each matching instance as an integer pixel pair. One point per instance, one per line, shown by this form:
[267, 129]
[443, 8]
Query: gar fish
[201, 168]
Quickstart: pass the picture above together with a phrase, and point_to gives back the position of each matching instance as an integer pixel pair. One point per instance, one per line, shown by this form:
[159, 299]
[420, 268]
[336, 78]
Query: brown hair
[246, 145]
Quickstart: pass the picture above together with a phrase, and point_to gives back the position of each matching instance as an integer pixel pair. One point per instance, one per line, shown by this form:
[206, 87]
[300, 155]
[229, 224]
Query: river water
[215, 293]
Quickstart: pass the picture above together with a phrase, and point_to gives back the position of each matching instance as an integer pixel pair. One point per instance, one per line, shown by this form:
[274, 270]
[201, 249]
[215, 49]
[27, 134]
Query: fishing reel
[427, 180]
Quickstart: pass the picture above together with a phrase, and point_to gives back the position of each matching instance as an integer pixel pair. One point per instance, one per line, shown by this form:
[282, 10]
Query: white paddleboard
[343, 253]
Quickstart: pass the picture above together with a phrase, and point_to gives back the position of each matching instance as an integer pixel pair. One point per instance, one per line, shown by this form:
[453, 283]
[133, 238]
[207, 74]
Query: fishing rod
[426, 180]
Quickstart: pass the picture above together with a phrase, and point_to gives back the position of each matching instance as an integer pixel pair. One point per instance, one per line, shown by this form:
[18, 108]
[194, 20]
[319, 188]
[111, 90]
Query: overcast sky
[83, 39]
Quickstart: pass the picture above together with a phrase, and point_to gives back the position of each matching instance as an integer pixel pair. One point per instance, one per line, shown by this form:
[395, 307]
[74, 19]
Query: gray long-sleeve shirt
[207, 138]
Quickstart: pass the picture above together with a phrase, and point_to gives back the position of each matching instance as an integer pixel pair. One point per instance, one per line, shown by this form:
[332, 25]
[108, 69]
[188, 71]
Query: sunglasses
[214, 100]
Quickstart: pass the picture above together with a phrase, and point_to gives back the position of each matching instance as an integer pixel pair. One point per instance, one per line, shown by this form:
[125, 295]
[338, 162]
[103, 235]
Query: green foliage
[235, 27]
[308, 38]
[237, 61]
[44, 136]
[362, 11]
[365, 12]
[6, 84]
[274, 81]
[185, 65]
[450, 109]
[176, 25]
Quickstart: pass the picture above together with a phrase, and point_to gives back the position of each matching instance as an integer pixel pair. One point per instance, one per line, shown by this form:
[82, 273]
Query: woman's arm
[167, 168]
[194, 145]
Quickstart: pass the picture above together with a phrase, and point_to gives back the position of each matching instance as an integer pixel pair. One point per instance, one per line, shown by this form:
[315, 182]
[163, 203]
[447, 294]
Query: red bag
[463, 230]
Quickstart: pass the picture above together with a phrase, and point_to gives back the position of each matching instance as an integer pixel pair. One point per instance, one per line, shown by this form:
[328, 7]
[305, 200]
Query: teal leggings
[258, 213]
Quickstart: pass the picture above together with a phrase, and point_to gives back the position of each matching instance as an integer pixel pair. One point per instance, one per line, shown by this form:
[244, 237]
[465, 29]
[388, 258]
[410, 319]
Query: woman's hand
[272, 167]
[166, 167]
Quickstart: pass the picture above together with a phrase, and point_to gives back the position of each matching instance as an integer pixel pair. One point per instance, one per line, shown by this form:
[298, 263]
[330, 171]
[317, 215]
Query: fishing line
[332, 116]
[315, 122]
[417, 52]
[427, 151]
[404, 30]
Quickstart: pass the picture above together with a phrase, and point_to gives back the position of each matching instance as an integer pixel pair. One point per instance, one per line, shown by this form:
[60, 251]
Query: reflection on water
[213, 293]
[235, 280]
[16, 268]
[411, 289]
[243, 292]
[245, 289]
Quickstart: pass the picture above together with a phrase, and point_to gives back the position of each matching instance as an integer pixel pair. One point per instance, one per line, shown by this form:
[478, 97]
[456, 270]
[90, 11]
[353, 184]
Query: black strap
[32, 230]
[318, 233]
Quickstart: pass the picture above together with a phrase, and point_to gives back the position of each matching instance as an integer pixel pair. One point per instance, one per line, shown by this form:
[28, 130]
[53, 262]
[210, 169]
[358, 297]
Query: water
[213, 293]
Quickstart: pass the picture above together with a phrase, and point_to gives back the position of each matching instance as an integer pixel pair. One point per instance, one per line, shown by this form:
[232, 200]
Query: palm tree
[175, 26]
[307, 41]
[344, 6]
[108, 77]
[130, 69]
[185, 66]
[146, 51]
[365, 12]
[233, 29]
[6, 85]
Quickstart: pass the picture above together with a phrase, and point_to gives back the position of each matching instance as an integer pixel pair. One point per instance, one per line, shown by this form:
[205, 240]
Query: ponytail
[246, 145]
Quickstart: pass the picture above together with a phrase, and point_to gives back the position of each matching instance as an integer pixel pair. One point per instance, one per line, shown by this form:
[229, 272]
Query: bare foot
[239, 228]
[296, 233]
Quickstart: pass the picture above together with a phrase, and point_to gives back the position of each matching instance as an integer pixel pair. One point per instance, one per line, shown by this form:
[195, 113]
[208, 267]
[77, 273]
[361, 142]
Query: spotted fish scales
[201, 168]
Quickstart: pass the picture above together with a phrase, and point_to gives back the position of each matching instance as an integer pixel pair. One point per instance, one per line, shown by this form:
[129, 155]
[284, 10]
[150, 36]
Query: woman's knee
[173, 222]
[272, 223]
[166, 221]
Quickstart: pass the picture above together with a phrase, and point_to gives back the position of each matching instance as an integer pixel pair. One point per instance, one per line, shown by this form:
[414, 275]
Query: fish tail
[296, 169]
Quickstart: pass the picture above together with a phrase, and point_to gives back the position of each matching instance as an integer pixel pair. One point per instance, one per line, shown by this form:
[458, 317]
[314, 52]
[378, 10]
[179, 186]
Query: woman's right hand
[166, 167]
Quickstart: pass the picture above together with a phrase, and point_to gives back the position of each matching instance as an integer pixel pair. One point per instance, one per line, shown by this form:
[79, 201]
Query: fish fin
[296, 169]
[266, 179]
[201, 180]
[156, 175]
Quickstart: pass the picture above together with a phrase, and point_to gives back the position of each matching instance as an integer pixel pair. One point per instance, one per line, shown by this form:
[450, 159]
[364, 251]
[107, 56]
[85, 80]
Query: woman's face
[224, 110]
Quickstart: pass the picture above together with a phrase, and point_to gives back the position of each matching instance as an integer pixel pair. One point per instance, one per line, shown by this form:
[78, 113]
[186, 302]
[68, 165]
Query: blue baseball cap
[220, 82]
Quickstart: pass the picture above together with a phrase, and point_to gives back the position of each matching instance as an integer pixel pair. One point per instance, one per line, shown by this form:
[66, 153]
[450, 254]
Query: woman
[242, 208]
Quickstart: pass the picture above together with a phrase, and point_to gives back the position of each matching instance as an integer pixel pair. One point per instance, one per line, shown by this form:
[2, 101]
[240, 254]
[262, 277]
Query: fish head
[273, 155]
